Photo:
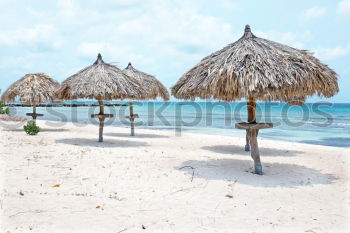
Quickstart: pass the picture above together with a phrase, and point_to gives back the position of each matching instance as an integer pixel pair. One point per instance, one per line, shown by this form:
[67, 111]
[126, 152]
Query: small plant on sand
[2, 110]
[31, 128]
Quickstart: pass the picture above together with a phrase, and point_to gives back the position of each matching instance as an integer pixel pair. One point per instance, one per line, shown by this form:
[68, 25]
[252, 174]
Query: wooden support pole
[247, 136]
[255, 151]
[251, 107]
[132, 123]
[34, 111]
[253, 131]
[251, 110]
[101, 119]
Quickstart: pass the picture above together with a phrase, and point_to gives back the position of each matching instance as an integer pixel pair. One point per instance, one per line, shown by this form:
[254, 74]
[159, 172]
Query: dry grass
[32, 88]
[258, 68]
[149, 82]
[101, 81]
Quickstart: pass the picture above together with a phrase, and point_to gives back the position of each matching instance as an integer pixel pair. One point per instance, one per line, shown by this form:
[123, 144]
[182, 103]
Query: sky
[163, 37]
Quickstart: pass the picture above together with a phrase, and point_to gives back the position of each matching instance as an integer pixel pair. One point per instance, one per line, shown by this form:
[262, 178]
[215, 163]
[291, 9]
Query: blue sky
[160, 37]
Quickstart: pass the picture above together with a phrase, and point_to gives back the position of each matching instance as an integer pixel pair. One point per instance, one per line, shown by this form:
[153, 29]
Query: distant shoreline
[312, 123]
[198, 131]
[61, 105]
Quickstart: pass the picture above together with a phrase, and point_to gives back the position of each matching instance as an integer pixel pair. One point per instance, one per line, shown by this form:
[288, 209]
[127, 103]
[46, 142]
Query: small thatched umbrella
[257, 69]
[32, 89]
[101, 81]
[151, 84]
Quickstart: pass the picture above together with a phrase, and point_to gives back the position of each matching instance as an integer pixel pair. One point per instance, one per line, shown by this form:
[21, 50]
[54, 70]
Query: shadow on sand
[54, 130]
[137, 135]
[41, 130]
[94, 143]
[234, 149]
[275, 174]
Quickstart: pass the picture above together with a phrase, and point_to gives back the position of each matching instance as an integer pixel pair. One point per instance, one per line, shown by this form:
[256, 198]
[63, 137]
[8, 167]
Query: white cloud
[314, 12]
[27, 60]
[44, 35]
[15, 63]
[298, 40]
[327, 54]
[228, 4]
[140, 25]
[91, 49]
[161, 23]
[67, 9]
[33, 12]
[293, 39]
[92, 12]
[177, 33]
[343, 7]
[119, 55]
[182, 26]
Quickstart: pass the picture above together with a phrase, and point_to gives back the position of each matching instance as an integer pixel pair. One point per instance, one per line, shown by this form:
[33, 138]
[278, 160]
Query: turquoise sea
[320, 123]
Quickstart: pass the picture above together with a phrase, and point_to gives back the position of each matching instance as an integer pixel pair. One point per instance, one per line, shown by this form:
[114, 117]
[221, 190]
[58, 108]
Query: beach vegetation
[2, 110]
[31, 128]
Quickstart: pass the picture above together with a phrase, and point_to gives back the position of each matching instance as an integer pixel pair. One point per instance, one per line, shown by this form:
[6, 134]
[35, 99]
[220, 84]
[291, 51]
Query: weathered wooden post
[102, 121]
[255, 154]
[132, 117]
[101, 117]
[132, 124]
[251, 110]
[34, 115]
[34, 111]
[252, 131]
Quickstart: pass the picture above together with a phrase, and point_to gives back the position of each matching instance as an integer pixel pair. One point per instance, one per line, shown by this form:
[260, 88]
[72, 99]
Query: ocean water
[320, 123]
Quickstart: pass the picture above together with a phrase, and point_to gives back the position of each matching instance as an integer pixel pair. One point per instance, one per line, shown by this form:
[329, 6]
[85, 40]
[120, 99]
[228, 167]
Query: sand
[63, 180]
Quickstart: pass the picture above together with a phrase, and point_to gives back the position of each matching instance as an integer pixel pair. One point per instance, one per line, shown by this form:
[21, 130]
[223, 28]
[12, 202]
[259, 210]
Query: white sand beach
[63, 180]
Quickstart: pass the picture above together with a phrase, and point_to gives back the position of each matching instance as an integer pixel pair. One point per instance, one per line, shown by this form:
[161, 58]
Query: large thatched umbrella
[32, 89]
[101, 81]
[257, 69]
[151, 84]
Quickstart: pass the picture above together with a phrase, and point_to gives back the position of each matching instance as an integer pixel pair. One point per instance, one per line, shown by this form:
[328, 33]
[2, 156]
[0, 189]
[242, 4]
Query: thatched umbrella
[257, 69]
[32, 89]
[101, 81]
[151, 84]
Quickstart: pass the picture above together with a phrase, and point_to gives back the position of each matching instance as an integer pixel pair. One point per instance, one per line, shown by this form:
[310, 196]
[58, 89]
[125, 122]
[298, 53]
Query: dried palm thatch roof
[257, 68]
[101, 81]
[32, 89]
[149, 82]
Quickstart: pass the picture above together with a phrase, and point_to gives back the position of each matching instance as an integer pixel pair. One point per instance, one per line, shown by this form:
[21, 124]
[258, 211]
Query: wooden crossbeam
[101, 116]
[134, 116]
[34, 114]
[246, 125]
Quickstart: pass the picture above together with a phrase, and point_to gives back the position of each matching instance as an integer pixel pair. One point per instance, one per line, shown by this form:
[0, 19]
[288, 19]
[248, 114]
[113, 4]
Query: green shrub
[31, 128]
[2, 110]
